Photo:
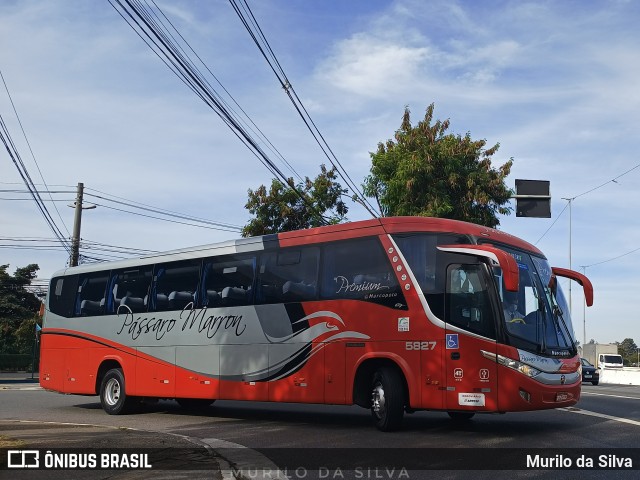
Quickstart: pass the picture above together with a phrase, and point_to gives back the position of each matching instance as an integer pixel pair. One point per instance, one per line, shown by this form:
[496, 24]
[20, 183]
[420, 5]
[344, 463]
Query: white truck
[609, 360]
[602, 355]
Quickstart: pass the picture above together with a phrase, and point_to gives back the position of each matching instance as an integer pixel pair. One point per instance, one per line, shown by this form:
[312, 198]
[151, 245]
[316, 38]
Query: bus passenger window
[288, 276]
[90, 298]
[128, 290]
[175, 286]
[359, 270]
[228, 281]
[62, 295]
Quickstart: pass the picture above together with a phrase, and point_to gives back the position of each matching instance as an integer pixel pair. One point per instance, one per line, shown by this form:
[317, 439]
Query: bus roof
[341, 231]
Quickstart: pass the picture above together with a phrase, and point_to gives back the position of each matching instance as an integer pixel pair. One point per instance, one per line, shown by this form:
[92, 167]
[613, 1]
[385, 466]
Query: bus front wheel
[387, 399]
[113, 396]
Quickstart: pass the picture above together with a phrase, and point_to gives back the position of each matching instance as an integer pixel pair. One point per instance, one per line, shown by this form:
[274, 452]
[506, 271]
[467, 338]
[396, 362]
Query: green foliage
[629, 351]
[280, 209]
[15, 362]
[18, 310]
[426, 171]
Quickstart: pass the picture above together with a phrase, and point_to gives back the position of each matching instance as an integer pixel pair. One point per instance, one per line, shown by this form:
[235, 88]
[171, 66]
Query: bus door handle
[455, 355]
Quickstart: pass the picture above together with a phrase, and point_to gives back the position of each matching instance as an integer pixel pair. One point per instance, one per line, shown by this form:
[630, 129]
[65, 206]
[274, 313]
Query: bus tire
[461, 416]
[113, 396]
[194, 403]
[387, 399]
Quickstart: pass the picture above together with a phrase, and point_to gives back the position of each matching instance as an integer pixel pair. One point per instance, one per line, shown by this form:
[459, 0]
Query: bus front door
[471, 375]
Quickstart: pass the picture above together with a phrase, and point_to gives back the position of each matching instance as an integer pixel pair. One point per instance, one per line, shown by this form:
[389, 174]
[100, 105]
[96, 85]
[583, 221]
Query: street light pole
[570, 200]
[584, 312]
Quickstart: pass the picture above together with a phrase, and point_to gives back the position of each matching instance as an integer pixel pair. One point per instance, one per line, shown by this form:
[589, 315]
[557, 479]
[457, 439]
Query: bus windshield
[536, 316]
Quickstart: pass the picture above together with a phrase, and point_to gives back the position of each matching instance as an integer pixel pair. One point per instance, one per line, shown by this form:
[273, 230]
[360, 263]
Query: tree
[280, 209]
[18, 309]
[629, 350]
[428, 172]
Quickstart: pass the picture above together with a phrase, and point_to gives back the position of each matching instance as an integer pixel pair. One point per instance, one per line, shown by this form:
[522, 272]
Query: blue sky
[555, 83]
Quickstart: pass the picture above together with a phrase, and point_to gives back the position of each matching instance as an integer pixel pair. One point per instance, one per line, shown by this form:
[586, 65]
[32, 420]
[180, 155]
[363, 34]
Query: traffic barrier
[622, 376]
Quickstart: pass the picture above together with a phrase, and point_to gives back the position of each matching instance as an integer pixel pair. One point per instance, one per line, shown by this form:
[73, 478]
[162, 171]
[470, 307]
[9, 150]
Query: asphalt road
[607, 417]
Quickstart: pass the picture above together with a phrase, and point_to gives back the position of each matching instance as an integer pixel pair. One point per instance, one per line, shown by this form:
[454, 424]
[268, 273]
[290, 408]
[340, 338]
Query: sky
[554, 83]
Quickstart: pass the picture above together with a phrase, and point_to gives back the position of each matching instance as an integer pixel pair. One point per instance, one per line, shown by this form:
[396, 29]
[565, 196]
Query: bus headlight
[523, 368]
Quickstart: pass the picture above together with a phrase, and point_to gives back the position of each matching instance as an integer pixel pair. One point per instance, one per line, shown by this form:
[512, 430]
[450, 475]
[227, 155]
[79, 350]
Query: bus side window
[128, 290]
[228, 281]
[90, 298]
[175, 286]
[288, 275]
[359, 269]
[62, 295]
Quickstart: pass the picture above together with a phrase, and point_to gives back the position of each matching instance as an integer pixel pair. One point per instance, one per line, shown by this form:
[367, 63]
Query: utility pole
[77, 221]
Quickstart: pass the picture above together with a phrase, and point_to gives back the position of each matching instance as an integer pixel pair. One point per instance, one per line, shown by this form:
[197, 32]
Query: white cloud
[372, 67]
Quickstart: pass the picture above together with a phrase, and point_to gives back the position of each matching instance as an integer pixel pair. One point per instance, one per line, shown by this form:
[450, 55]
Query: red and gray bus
[396, 315]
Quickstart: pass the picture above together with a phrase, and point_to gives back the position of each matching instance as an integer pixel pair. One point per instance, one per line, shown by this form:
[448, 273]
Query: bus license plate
[562, 397]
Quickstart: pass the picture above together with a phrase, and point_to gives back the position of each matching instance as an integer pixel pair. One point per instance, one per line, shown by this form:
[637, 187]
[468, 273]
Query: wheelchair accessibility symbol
[452, 340]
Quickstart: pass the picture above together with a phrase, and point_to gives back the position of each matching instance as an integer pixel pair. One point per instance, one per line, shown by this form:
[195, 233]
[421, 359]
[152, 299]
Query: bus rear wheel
[113, 396]
[387, 399]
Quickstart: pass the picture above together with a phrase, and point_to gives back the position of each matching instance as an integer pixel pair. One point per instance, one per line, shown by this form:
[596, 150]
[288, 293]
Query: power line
[251, 122]
[253, 28]
[613, 180]
[611, 259]
[551, 226]
[164, 219]
[169, 213]
[150, 28]
[10, 146]
[132, 204]
[49, 244]
[5, 136]
[570, 199]
[15, 111]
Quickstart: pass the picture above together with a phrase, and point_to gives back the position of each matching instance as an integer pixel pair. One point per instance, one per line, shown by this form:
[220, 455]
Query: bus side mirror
[578, 277]
[507, 263]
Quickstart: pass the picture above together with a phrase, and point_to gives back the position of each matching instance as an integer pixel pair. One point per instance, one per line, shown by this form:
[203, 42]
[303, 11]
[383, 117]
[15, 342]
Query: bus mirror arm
[578, 277]
[507, 263]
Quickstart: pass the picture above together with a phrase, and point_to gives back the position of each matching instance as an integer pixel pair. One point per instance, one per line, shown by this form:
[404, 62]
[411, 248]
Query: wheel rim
[378, 402]
[112, 392]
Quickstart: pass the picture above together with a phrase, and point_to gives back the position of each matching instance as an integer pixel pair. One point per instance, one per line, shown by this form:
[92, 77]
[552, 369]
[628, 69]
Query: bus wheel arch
[364, 375]
[380, 385]
[104, 367]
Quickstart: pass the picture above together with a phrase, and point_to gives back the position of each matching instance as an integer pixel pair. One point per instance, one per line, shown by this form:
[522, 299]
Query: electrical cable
[15, 111]
[258, 36]
[175, 58]
[613, 180]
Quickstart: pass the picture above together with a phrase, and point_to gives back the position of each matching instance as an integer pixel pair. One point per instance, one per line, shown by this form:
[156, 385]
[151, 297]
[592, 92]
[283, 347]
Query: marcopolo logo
[23, 459]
